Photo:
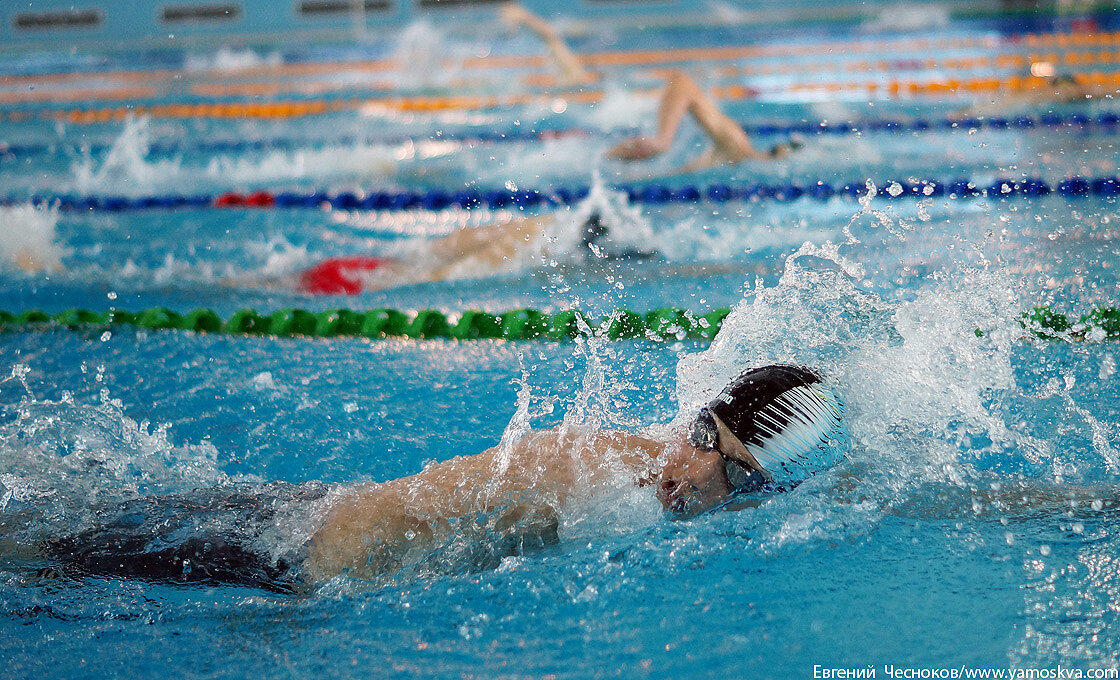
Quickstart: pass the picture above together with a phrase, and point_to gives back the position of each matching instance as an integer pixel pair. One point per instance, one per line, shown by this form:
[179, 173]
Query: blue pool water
[970, 524]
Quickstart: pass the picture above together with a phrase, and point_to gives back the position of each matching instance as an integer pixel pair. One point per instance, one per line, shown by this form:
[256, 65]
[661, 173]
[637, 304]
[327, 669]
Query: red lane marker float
[230, 200]
[258, 199]
[338, 275]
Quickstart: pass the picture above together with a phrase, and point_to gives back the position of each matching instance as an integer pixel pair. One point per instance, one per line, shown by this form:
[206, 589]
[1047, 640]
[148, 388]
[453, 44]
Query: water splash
[229, 59]
[906, 16]
[420, 54]
[619, 108]
[28, 241]
[60, 458]
[628, 229]
[125, 168]
[322, 164]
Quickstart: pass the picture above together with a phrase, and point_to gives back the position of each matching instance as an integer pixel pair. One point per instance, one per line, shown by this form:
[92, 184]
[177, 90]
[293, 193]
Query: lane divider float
[667, 324]
[886, 69]
[17, 151]
[893, 88]
[1106, 122]
[893, 46]
[650, 194]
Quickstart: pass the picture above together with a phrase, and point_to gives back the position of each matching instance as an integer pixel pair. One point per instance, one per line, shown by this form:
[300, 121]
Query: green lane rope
[667, 324]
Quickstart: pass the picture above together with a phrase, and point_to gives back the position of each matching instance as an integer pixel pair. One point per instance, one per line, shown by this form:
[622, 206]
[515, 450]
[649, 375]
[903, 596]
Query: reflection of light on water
[1042, 69]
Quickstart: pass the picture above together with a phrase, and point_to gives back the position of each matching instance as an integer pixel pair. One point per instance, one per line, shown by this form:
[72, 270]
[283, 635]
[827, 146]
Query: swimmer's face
[692, 481]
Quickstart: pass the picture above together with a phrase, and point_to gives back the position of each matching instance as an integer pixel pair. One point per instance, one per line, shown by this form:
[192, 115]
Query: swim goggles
[705, 435]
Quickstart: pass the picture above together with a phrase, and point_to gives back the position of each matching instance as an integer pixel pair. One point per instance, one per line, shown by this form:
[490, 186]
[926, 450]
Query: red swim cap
[337, 275]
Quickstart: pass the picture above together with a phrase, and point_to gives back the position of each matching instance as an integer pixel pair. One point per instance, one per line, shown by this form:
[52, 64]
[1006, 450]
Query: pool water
[970, 524]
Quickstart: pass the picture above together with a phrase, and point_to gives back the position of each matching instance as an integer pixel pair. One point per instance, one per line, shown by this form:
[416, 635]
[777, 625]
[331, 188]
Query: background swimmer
[497, 503]
[602, 227]
[1058, 89]
[730, 143]
[572, 71]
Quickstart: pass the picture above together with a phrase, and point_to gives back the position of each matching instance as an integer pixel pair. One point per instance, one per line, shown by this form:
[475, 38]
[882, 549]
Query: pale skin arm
[28, 261]
[682, 95]
[573, 72]
[491, 245]
[369, 530]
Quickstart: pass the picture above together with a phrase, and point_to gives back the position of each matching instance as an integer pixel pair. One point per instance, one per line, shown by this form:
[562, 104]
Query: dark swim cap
[783, 421]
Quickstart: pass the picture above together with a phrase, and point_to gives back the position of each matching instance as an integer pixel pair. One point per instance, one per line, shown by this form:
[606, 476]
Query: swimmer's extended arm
[491, 245]
[369, 529]
[516, 16]
[682, 95]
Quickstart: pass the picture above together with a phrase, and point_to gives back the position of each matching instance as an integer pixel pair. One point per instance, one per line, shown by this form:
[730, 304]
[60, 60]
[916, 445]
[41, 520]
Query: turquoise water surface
[970, 524]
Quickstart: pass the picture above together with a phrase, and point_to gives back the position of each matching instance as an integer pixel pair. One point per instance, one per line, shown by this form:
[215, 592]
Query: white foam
[125, 168]
[906, 16]
[61, 457]
[421, 54]
[727, 13]
[620, 108]
[628, 228]
[229, 59]
[27, 239]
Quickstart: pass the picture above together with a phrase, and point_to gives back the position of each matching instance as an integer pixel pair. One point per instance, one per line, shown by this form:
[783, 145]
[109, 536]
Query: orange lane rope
[893, 88]
[291, 109]
[299, 108]
[615, 58]
[277, 89]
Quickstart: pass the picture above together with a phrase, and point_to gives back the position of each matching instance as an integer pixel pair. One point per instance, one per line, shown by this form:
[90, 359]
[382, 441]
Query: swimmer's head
[773, 426]
[1065, 88]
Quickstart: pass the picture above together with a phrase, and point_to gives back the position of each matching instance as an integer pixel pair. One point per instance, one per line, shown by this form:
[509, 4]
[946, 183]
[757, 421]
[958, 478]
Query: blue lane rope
[1105, 122]
[652, 194]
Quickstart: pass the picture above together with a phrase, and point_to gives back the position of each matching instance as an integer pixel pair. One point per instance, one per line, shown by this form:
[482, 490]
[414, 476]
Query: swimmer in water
[1059, 89]
[572, 72]
[480, 251]
[729, 142]
[766, 431]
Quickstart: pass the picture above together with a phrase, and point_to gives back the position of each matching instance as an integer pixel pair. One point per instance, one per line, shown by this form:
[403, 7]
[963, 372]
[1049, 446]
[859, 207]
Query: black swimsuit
[211, 536]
